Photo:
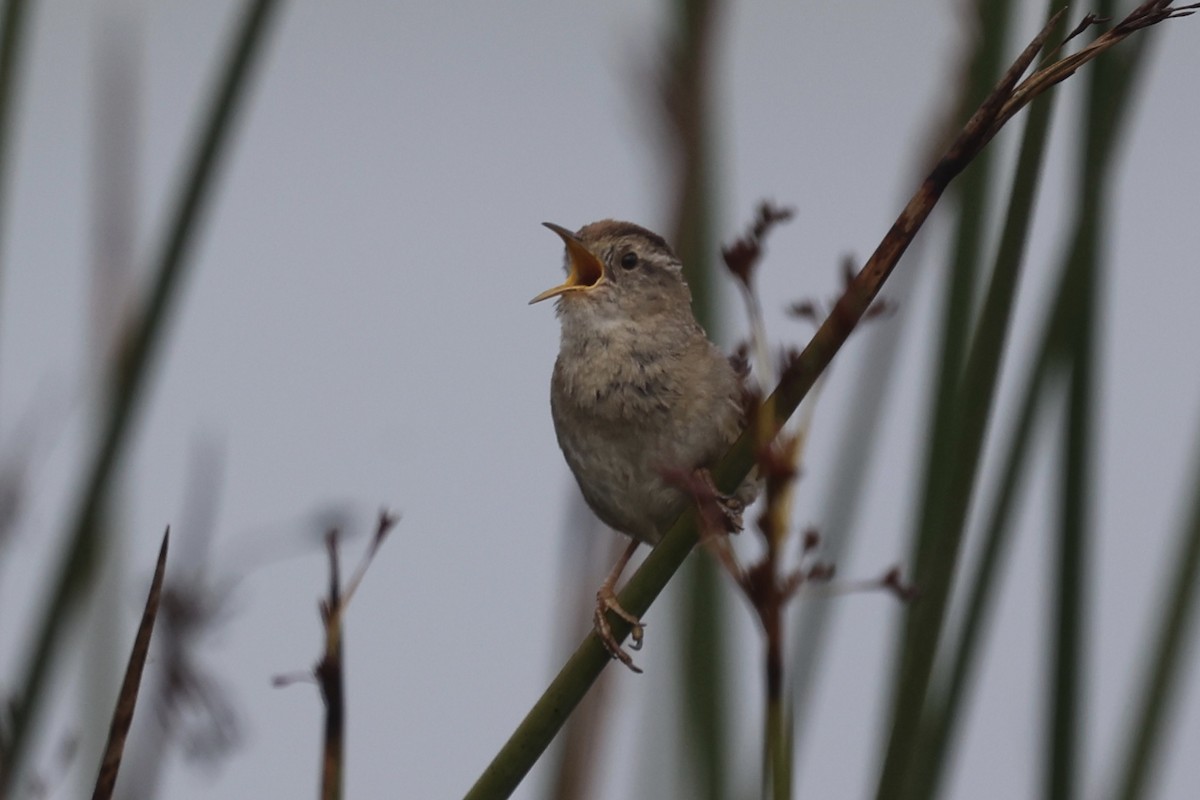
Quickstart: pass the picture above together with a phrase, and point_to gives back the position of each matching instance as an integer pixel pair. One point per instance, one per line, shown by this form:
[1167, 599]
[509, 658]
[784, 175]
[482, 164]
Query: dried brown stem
[122, 719]
[329, 677]
[1147, 14]
[329, 671]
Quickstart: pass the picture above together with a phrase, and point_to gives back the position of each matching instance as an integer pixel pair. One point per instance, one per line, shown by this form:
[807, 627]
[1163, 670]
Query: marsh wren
[638, 392]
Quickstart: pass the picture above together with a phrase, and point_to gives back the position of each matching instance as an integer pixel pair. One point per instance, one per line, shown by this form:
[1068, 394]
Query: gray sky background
[355, 333]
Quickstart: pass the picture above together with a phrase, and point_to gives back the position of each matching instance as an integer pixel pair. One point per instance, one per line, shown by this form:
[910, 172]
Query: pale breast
[622, 422]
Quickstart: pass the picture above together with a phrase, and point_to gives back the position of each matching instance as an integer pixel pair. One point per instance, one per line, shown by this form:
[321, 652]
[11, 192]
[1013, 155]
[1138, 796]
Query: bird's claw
[730, 505]
[731, 509]
[606, 600]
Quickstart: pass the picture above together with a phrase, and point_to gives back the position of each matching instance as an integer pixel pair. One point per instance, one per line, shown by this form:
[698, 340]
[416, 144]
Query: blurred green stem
[1109, 89]
[958, 303]
[935, 541]
[130, 378]
[777, 734]
[975, 399]
[1073, 544]
[12, 41]
[1168, 646]
[703, 689]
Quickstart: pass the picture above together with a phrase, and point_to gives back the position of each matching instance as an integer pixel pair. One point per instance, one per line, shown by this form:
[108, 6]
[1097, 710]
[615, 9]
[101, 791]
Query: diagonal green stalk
[942, 713]
[934, 542]
[12, 43]
[548, 714]
[703, 682]
[877, 368]
[959, 300]
[81, 555]
[1109, 89]
[938, 544]
[975, 399]
[1073, 543]
[575, 767]
[1161, 681]
[1169, 647]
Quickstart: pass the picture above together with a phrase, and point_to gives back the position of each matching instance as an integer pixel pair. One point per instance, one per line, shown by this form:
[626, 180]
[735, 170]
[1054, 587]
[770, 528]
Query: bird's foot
[606, 600]
[730, 506]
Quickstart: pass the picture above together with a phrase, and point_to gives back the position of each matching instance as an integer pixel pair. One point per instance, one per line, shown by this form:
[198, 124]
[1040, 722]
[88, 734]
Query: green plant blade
[976, 398]
[12, 43]
[1168, 646]
[702, 640]
[131, 373]
[935, 542]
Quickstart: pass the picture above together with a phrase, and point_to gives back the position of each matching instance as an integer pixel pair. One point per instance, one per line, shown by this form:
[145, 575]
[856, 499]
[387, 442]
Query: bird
[639, 394]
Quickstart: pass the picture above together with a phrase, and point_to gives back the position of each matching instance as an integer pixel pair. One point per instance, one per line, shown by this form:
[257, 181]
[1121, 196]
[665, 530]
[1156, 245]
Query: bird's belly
[624, 429]
[625, 482]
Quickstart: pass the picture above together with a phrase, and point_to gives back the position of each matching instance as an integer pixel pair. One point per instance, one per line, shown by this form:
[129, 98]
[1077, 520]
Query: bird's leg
[606, 600]
[720, 515]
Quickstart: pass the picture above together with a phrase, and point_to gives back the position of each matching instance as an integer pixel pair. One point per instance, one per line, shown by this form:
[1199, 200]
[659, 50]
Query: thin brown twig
[329, 675]
[854, 302]
[386, 522]
[1147, 14]
[122, 718]
[329, 670]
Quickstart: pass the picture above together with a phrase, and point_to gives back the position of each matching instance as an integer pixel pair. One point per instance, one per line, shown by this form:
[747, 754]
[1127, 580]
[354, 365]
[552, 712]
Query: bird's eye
[629, 260]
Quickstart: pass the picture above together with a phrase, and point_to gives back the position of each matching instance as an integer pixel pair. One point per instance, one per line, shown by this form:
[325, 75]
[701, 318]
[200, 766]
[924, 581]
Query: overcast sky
[355, 333]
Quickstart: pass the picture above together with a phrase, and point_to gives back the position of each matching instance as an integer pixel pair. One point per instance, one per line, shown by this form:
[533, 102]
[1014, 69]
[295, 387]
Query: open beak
[585, 269]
